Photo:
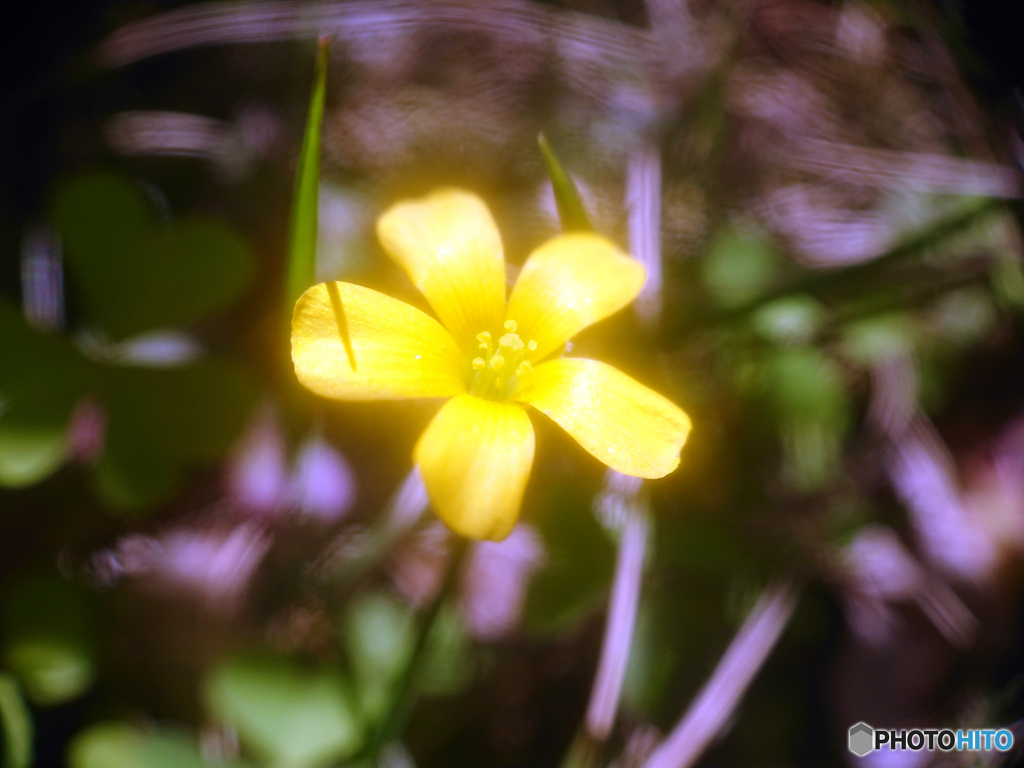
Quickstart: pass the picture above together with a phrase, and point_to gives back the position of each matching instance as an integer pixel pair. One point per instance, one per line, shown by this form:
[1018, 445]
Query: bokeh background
[202, 564]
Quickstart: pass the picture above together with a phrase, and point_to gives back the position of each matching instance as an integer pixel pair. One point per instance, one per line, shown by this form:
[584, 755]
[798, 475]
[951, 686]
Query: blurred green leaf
[163, 421]
[445, 666]
[570, 207]
[878, 338]
[809, 396]
[49, 639]
[41, 379]
[137, 273]
[120, 745]
[17, 724]
[303, 235]
[740, 266]
[285, 714]
[380, 636]
[791, 320]
[579, 565]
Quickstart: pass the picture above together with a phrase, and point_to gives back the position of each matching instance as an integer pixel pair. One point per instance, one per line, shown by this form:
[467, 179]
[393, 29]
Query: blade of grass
[302, 235]
[16, 722]
[570, 207]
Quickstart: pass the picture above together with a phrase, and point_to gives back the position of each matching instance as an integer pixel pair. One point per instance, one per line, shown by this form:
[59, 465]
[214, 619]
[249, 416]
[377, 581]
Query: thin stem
[401, 701]
[722, 693]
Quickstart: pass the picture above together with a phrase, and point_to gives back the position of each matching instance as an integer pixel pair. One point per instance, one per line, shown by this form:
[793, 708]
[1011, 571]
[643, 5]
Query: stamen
[497, 362]
[511, 341]
[478, 363]
[531, 345]
[510, 325]
[483, 337]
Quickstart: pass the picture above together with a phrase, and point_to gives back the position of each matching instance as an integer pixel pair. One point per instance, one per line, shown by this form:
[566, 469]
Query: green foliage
[286, 714]
[119, 745]
[41, 379]
[16, 723]
[808, 394]
[380, 637]
[739, 267]
[571, 210]
[49, 639]
[137, 272]
[163, 421]
[303, 235]
[791, 320]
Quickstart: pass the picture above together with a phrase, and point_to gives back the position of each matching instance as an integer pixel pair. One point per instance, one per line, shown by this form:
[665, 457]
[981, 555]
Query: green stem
[401, 701]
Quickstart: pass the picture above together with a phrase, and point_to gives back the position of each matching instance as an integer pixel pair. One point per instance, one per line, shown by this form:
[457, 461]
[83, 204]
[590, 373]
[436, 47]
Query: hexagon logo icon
[862, 739]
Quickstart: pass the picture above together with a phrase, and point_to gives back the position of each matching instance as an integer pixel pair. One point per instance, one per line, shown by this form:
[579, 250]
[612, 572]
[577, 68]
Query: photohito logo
[864, 739]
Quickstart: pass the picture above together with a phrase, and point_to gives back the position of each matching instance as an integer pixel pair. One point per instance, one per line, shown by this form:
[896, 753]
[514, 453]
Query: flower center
[495, 368]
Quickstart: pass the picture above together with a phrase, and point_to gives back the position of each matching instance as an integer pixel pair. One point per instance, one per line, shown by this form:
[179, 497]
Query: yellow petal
[475, 457]
[353, 343]
[568, 283]
[629, 427]
[449, 246]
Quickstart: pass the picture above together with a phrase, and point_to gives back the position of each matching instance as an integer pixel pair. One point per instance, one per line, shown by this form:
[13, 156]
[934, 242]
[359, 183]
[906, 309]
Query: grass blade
[302, 236]
[570, 207]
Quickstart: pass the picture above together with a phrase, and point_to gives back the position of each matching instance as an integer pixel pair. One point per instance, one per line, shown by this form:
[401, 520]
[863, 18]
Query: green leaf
[809, 395]
[570, 207]
[17, 724]
[287, 715]
[49, 639]
[302, 238]
[380, 636]
[162, 421]
[120, 745]
[879, 338]
[791, 320]
[740, 266]
[41, 380]
[136, 272]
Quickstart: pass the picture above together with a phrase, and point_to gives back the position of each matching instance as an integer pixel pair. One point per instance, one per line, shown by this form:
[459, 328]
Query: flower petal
[475, 457]
[570, 282]
[353, 343]
[629, 427]
[449, 246]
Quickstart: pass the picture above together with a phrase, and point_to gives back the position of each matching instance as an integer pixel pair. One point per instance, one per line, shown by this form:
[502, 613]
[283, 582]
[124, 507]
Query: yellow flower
[490, 357]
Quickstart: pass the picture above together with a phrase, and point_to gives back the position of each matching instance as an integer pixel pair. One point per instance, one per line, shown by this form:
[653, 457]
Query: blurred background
[202, 564]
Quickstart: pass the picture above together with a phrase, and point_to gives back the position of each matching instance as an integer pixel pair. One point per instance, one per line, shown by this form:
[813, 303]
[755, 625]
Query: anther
[497, 362]
[531, 345]
[524, 368]
[478, 363]
[510, 326]
[499, 383]
[511, 341]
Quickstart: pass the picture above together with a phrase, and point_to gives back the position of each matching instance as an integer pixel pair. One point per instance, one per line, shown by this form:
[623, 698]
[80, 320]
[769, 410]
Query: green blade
[570, 207]
[302, 238]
